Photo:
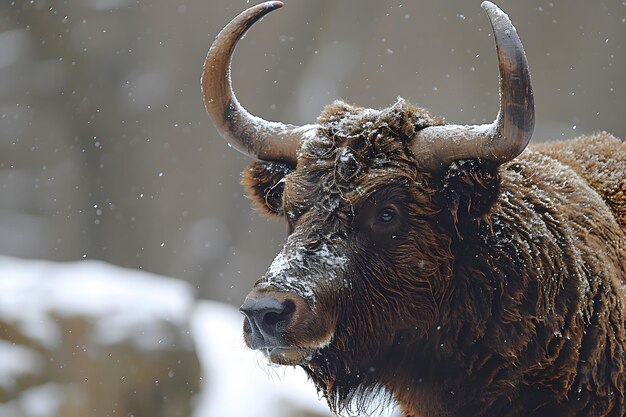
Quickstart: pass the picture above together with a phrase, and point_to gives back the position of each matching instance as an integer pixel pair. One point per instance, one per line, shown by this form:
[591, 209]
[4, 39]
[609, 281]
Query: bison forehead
[350, 143]
[368, 132]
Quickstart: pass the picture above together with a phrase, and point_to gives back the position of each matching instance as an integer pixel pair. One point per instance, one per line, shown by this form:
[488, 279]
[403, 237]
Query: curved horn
[436, 147]
[249, 134]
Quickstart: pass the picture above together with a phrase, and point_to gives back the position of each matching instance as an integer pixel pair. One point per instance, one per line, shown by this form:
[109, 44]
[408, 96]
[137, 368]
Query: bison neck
[534, 321]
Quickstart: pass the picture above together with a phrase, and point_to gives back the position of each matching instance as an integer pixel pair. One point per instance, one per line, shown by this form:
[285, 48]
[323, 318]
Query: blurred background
[106, 151]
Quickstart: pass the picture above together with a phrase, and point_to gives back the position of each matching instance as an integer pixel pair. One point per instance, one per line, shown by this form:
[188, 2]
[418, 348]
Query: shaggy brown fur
[494, 291]
[601, 161]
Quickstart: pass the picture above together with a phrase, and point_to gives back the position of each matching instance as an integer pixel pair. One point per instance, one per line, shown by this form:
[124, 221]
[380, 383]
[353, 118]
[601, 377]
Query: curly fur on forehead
[376, 135]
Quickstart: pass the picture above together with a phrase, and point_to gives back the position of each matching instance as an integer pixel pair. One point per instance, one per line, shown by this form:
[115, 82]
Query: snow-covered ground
[125, 303]
[133, 305]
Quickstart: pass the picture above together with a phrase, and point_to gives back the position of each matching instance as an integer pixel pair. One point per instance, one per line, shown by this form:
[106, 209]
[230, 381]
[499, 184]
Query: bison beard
[438, 264]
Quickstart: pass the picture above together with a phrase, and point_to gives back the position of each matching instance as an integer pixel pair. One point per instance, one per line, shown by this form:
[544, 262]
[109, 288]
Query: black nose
[267, 320]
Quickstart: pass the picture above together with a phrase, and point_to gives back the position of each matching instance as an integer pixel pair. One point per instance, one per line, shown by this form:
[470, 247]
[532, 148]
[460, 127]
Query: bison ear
[264, 183]
[468, 189]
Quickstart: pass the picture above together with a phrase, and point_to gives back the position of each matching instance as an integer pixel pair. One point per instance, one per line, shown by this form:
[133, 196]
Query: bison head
[373, 200]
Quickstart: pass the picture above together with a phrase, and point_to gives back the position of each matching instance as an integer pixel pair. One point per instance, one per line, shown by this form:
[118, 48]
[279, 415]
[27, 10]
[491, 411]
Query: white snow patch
[289, 272]
[458, 133]
[327, 256]
[345, 155]
[16, 361]
[281, 275]
[308, 132]
[126, 304]
[41, 401]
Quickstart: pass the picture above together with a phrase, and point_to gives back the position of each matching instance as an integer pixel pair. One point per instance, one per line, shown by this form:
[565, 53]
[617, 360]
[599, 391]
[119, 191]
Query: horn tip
[486, 5]
[274, 4]
[493, 10]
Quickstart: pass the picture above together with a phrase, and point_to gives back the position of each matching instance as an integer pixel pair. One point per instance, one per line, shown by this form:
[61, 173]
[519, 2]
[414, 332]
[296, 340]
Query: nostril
[279, 319]
[267, 318]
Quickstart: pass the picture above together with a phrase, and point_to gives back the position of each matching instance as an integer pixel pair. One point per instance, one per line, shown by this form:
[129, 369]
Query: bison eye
[386, 215]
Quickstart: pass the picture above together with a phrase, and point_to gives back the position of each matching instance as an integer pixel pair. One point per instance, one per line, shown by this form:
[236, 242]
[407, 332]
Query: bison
[448, 267]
